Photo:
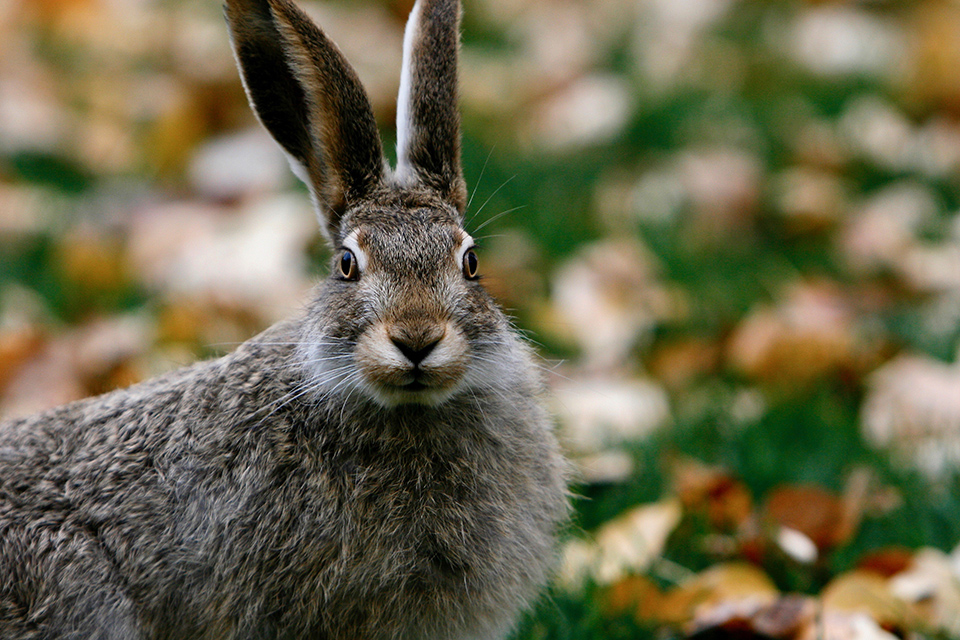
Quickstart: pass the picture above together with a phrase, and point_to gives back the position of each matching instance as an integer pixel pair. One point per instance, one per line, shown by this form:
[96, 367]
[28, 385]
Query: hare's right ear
[310, 100]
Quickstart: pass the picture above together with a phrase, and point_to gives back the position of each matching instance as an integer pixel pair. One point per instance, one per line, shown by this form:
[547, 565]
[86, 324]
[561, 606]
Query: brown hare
[380, 467]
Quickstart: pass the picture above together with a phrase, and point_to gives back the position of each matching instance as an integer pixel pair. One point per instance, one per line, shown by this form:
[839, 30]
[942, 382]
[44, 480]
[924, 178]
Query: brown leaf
[806, 336]
[913, 407]
[624, 546]
[813, 511]
[887, 561]
[633, 540]
[635, 594]
[724, 594]
[931, 584]
[17, 346]
[677, 364]
[785, 617]
[726, 501]
[865, 592]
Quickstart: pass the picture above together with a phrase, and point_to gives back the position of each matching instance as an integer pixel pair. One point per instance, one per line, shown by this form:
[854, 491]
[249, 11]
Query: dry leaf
[238, 164]
[252, 259]
[609, 466]
[92, 261]
[606, 300]
[913, 407]
[816, 513]
[624, 546]
[48, 379]
[887, 561]
[629, 543]
[806, 336]
[836, 625]
[634, 594]
[783, 619]
[867, 593]
[590, 110]
[811, 199]
[726, 500]
[727, 591]
[677, 364]
[837, 40]
[17, 346]
[882, 230]
[598, 413]
[932, 584]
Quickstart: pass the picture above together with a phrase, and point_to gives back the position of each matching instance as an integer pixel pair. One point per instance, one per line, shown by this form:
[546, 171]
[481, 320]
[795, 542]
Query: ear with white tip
[428, 121]
[310, 100]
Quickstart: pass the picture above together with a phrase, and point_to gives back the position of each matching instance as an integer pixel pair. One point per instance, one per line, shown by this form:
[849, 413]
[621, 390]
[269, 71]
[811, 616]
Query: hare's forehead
[400, 244]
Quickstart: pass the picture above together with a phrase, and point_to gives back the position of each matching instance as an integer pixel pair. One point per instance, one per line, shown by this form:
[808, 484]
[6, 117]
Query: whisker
[480, 177]
[490, 197]
[498, 216]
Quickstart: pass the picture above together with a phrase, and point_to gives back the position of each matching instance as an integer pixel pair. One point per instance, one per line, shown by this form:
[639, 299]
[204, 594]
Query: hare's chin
[414, 393]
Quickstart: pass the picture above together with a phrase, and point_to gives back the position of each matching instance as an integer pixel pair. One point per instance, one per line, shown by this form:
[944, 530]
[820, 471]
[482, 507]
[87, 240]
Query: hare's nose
[415, 351]
[416, 346]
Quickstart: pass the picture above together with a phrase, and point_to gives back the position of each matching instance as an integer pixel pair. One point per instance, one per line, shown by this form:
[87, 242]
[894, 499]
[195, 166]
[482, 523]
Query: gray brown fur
[303, 486]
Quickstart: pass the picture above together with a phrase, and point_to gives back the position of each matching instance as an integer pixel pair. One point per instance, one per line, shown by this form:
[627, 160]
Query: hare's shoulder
[184, 408]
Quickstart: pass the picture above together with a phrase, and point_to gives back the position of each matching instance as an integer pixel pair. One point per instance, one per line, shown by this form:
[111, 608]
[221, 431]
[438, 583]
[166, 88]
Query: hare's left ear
[428, 120]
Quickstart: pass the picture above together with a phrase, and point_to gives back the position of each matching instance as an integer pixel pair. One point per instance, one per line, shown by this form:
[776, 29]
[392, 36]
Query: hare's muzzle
[419, 363]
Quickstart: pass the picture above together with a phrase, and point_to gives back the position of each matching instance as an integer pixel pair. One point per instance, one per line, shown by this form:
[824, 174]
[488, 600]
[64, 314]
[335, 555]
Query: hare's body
[380, 467]
[125, 517]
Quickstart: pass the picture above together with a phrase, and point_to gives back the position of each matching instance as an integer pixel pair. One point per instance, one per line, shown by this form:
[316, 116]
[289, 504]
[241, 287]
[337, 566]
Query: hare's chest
[432, 522]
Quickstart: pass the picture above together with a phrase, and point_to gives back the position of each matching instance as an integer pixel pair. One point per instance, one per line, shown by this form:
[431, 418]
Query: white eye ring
[465, 245]
[350, 243]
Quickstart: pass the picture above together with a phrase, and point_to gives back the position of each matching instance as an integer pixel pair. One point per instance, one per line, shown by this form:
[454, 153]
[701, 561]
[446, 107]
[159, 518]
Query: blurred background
[730, 226]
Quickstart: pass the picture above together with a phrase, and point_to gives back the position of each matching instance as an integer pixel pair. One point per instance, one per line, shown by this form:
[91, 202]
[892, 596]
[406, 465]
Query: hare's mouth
[416, 385]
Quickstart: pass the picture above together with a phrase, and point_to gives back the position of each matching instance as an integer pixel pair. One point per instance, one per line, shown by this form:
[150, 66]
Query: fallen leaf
[725, 500]
[677, 364]
[630, 542]
[887, 561]
[730, 582]
[866, 592]
[809, 334]
[600, 412]
[836, 625]
[932, 585]
[624, 546]
[816, 513]
[912, 406]
[93, 261]
[17, 346]
[783, 619]
[607, 299]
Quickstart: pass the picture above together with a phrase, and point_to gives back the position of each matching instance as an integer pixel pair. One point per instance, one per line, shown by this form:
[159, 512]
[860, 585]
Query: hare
[380, 467]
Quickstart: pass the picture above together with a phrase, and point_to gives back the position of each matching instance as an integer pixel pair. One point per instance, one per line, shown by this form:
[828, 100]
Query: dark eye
[348, 265]
[470, 264]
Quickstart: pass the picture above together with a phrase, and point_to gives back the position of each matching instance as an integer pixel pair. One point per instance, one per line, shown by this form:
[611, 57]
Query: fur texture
[380, 467]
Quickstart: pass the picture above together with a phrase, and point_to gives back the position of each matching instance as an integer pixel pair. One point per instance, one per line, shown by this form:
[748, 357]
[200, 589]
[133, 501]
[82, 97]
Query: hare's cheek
[377, 358]
[447, 363]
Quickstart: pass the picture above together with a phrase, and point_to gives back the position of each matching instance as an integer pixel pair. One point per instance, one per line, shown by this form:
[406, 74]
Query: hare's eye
[348, 266]
[470, 264]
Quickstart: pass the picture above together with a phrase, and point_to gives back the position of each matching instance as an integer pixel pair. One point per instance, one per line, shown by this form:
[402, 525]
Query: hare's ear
[310, 100]
[428, 121]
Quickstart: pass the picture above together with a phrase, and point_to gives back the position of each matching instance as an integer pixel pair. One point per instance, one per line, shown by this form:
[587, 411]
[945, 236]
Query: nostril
[415, 353]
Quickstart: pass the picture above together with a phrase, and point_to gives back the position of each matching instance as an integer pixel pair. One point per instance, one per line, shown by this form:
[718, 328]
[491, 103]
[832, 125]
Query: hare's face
[404, 318]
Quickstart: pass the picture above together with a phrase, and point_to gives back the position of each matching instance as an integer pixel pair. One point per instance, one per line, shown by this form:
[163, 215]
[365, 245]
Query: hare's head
[402, 318]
